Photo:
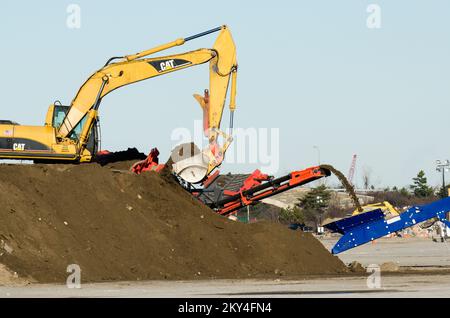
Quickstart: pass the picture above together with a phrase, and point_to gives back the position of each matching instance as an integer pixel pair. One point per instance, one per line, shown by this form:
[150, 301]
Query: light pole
[443, 166]
[319, 203]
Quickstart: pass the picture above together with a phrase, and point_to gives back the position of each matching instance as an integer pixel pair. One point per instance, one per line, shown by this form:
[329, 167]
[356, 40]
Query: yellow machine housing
[40, 143]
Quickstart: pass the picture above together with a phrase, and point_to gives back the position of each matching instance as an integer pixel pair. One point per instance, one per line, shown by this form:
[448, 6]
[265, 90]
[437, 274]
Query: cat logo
[18, 147]
[167, 65]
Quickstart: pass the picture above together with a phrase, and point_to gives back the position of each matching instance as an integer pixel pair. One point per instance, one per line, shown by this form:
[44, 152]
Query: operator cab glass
[59, 113]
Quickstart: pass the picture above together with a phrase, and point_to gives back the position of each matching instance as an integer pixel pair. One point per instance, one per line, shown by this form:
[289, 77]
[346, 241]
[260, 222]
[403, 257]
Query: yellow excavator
[385, 206]
[70, 133]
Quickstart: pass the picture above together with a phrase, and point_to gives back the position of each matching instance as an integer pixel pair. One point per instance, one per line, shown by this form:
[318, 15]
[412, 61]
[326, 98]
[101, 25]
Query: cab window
[59, 113]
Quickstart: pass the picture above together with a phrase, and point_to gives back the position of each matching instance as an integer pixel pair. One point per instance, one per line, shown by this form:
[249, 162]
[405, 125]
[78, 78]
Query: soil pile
[121, 226]
[120, 159]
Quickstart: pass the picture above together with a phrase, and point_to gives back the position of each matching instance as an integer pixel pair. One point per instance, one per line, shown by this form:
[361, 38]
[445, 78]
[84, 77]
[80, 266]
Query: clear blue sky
[311, 68]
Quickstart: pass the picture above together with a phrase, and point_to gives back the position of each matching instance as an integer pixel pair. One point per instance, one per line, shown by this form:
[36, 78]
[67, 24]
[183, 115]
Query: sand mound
[9, 278]
[121, 226]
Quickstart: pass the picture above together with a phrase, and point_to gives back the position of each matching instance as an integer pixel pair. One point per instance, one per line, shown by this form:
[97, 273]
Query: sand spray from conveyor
[348, 187]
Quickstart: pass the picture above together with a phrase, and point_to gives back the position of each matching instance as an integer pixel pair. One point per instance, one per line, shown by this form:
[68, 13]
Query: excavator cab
[55, 118]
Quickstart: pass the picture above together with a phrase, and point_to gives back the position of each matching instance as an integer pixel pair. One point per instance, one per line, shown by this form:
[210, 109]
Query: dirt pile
[120, 159]
[121, 226]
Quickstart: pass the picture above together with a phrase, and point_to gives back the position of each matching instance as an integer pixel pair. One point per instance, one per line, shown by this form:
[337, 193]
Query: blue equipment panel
[366, 227]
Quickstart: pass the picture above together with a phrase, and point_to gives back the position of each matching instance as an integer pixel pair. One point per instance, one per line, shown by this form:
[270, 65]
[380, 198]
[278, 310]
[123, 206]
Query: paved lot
[418, 253]
[391, 286]
[414, 252]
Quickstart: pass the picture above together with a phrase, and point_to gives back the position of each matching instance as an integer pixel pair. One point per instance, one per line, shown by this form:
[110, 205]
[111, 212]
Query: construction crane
[70, 133]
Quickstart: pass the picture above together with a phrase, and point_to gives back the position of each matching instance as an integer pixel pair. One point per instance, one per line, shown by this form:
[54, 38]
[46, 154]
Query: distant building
[339, 198]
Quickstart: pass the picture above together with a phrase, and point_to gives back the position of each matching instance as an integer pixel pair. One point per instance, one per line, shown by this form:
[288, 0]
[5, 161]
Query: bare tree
[367, 177]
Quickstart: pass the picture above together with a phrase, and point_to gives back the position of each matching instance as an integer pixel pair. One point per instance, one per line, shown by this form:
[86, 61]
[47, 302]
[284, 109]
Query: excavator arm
[138, 67]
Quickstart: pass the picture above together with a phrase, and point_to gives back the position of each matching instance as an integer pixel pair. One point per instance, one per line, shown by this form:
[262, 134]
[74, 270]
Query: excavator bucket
[189, 163]
[193, 169]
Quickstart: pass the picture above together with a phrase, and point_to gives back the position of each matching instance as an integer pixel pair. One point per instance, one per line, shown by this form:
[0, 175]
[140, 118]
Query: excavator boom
[119, 74]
